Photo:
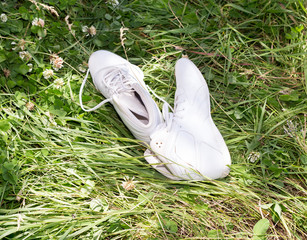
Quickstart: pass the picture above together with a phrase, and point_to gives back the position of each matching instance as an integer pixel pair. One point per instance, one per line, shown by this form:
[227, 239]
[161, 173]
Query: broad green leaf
[215, 234]
[277, 209]
[34, 28]
[171, 226]
[95, 205]
[60, 113]
[4, 125]
[24, 12]
[41, 32]
[266, 206]
[11, 84]
[97, 42]
[23, 69]
[260, 229]
[45, 152]
[238, 114]
[299, 28]
[2, 57]
[292, 97]
[9, 165]
[20, 95]
[108, 16]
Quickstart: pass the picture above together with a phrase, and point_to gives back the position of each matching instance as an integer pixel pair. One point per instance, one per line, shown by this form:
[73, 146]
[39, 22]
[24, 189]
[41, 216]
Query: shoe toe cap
[103, 59]
[189, 79]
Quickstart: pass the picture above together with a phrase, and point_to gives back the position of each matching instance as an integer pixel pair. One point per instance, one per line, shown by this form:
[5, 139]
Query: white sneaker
[121, 83]
[189, 145]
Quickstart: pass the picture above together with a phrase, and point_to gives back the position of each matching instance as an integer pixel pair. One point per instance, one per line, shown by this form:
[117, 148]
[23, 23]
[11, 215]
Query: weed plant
[67, 174]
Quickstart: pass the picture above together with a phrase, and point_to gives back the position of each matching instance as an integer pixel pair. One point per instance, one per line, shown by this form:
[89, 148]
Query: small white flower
[53, 123]
[30, 106]
[49, 114]
[114, 3]
[3, 17]
[48, 73]
[84, 28]
[92, 31]
[253, 156]
[21, 44]
[25, 55]
[81, 68]
[58, 83]
[30, 65]
[38, 22]
[291, 128]
[56, 61]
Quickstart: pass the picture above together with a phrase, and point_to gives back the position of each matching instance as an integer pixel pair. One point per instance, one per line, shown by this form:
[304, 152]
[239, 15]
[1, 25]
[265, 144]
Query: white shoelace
[171, 117]
[116, 81]
[123, 83]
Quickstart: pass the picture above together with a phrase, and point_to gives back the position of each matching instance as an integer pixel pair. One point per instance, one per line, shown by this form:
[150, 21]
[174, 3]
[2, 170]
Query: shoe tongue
[132, 101]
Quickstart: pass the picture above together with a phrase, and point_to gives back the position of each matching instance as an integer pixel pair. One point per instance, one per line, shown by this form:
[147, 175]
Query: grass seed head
[128, 184]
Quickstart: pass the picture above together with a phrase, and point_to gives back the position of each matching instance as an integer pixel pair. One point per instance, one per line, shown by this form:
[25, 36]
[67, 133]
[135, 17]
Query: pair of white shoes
[182, 145]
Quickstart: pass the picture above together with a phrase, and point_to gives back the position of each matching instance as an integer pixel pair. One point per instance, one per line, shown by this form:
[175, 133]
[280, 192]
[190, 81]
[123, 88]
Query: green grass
[62, 169]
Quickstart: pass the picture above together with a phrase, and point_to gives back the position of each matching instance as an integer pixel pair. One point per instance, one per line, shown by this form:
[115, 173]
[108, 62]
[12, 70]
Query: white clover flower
[30, 106]
[58, 83]
[30, 65]
[291, 128]
[38, 22]
[114, 3]
[92, 31]
[3, 17]
[56, 61]
[84, 29]
[22, 44]
[253, 156]
[81, 68]
[48, 73]
[25, 55]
